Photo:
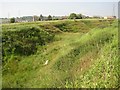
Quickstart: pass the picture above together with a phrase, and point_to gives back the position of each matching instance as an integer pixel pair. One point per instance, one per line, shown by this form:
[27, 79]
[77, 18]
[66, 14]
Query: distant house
[110, 17]
[45, 18]
[64, 17]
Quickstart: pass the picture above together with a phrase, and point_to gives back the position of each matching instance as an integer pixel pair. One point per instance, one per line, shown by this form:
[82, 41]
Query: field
[62, 54]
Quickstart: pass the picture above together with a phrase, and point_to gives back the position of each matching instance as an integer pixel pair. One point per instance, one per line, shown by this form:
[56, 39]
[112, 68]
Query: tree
[49, 17]
[72, 16]
[79, 16]
[41, 18]
[12, 20]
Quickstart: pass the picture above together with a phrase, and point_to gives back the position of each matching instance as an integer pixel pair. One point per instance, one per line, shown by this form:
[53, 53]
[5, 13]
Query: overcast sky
[14, 8]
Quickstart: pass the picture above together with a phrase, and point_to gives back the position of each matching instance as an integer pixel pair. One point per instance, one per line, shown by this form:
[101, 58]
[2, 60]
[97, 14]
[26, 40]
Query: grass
[76, 59]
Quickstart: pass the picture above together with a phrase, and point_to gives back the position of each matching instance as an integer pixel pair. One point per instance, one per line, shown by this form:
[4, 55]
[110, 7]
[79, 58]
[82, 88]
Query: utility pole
[8, 17]
[33, 18]
[19, 16]
[19, 13]
[113, 9]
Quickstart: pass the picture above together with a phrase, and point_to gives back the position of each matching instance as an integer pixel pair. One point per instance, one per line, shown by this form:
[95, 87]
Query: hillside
[69, 54]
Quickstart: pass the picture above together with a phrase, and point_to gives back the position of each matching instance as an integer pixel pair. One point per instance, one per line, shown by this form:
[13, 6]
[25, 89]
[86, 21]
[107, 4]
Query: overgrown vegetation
[80, 54]
[24, 41]
[12, 20]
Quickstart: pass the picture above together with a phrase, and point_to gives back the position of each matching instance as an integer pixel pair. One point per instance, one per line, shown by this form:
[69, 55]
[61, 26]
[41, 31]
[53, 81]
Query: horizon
[20, 9]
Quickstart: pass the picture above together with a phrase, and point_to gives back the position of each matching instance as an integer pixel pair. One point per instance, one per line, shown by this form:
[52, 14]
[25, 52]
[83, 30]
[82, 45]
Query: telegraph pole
[19, 13]
[33, 18]
[19, 20]
[113, 9]
[8, 17]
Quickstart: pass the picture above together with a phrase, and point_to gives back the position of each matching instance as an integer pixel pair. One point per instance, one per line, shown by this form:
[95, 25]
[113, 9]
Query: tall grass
[83, 54]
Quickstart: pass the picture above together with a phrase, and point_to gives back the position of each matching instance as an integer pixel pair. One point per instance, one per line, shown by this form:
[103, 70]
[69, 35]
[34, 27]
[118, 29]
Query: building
[110, 17]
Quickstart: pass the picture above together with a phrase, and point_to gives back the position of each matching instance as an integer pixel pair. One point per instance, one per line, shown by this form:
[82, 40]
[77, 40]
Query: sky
[15, 8]
[59, 0]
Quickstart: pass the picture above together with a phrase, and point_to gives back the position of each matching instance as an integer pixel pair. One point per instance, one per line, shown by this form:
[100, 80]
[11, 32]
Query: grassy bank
[81, 54]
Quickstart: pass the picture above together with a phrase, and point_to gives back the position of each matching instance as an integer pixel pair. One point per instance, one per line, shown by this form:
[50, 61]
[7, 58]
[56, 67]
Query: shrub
[72, 16]
[24, 41]
[12, 20]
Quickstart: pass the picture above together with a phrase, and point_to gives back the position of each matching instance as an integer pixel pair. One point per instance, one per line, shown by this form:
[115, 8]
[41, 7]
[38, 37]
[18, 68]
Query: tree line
[49, 17]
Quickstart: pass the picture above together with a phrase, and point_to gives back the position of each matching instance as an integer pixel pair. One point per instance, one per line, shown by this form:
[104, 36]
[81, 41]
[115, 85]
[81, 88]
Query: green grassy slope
[86, 57]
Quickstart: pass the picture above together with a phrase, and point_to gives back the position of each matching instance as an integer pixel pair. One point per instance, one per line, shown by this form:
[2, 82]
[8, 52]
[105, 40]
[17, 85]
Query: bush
[72, 16]
[12, 20]
[24, 41]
